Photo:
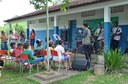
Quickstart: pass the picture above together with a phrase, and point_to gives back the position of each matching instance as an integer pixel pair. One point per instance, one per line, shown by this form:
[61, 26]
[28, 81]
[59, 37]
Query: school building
[67, 24]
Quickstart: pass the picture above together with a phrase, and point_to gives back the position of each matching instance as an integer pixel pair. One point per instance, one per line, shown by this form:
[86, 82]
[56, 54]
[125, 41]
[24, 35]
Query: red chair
[43, 52]
[57, 59]
[24, 61]
[4, 55]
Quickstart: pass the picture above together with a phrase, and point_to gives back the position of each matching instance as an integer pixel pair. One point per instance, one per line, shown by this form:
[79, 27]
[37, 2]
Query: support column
[107, 15]
[27, 31]
[56, 27]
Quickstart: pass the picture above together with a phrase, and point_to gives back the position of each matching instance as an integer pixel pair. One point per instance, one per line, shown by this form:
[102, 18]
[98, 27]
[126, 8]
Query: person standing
[12, 37]
[4, 41]
[16, 37]
[100, 32]
[22, 37]
[116, 35]
[32, 39]
[86, 36]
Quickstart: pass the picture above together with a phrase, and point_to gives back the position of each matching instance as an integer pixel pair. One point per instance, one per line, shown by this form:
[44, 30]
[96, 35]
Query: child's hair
[19, 44]
[26, 45]
[12, 44]
[60, 42]
[51, 44]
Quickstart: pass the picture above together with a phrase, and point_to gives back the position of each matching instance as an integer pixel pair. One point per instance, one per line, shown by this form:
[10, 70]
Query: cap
[38, 41]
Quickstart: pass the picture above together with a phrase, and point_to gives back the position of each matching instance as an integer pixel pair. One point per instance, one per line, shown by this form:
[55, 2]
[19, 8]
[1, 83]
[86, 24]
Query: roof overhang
[72, 5]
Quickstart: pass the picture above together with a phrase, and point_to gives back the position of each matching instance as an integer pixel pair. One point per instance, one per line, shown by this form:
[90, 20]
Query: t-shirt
[117, 37]
[30, 55]
[100, 34]
[32, 36]
[17, 51]
[60, 51]
[86, 35]
[4, 38]
[39, 48]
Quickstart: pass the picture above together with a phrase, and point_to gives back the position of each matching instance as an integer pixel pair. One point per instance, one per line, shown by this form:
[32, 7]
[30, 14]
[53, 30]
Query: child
[18, 50]
[13, 46]
[32, 59]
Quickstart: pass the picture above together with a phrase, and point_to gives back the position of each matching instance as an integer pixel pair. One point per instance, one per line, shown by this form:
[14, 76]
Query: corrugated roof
[73, 4]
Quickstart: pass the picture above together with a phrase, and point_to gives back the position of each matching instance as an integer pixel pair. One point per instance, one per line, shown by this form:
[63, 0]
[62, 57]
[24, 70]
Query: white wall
[63, 20]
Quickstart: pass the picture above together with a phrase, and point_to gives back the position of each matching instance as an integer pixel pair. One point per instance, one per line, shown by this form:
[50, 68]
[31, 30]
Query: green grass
[89, 78]
[13, 76]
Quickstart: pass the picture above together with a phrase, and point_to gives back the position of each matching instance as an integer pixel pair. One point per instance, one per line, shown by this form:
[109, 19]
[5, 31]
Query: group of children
[25, 48]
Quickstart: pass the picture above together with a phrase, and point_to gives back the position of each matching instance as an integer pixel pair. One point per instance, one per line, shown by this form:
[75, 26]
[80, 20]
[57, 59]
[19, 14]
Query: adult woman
[12, 37]
[22, 37]
[4, 41]
[32, 39]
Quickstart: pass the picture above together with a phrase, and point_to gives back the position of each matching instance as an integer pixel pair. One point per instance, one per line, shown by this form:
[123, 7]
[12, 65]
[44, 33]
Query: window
[117, 9]
[88, 13]
[42, 20]
[32, 22]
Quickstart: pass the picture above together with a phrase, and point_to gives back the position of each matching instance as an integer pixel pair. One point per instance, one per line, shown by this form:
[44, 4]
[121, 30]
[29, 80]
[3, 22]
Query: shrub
[114, 61]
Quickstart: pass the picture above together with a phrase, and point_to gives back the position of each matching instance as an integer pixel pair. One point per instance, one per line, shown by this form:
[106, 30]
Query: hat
[38, 41]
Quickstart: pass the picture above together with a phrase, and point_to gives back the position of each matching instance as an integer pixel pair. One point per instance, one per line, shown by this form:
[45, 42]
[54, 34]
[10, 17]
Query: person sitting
[38, 48]
[51, 47]
[62, 54]
[13, 46]
[32, 59]
[18, 51]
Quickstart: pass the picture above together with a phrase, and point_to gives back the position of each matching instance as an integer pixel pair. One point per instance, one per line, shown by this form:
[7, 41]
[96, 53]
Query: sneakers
[25, 63]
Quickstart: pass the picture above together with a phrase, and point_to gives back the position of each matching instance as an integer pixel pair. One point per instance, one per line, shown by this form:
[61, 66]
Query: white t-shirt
[117, 37]
[101, 35]
[60, 51]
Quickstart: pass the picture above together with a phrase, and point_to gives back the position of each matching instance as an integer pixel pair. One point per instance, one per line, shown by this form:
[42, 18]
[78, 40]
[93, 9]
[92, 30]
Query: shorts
[62, 58]
[32, 42]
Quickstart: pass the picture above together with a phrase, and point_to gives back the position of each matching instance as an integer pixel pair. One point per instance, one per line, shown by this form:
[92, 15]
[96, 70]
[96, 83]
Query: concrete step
[45, 76]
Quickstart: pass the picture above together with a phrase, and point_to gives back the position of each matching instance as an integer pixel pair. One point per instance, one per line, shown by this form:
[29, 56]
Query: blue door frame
[72, 33]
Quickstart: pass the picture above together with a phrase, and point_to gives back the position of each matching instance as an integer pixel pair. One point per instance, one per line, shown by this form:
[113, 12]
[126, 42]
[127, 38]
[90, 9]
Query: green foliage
[113, 61]
[41, 4]
[19, 27]
[64, 5]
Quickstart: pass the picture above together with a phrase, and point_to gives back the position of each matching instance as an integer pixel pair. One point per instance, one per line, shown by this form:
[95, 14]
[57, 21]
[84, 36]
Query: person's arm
[84, 34]
[119, 32]
[31, 55]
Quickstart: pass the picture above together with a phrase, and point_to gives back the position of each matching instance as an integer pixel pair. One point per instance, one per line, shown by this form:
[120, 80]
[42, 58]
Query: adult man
[100, 34]
[62, 54]
[86, 35]
[116, 34]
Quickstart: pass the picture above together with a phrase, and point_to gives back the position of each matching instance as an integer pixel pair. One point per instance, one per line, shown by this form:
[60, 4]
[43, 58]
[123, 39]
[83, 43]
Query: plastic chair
[57, 59]
[24, 61]
[4, 55]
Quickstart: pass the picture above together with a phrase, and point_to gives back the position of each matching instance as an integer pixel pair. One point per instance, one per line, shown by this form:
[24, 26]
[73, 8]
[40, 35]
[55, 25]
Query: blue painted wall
[123, 42]
[41, 34]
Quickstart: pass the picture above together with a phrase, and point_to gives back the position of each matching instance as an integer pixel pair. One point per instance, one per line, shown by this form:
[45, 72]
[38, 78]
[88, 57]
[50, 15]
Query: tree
[43, 4]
